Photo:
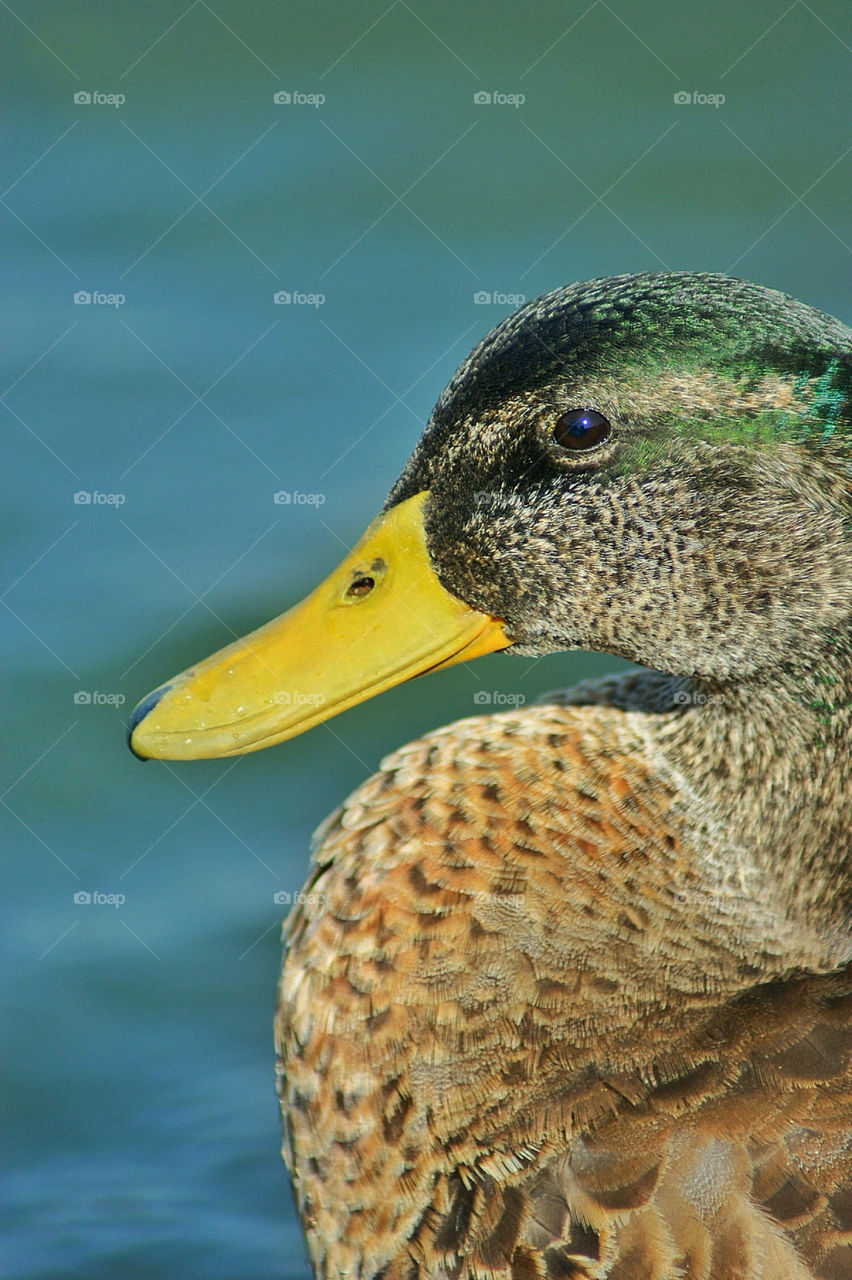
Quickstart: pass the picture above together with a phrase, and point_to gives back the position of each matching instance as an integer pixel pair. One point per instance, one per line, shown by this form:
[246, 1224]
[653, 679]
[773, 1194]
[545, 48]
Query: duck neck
[765, 767]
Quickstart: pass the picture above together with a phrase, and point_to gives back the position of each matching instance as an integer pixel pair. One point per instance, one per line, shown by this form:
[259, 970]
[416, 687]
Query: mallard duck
[569, 991]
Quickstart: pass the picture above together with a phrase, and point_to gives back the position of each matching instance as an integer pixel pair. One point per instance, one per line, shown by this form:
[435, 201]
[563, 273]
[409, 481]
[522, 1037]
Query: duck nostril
[361, 586]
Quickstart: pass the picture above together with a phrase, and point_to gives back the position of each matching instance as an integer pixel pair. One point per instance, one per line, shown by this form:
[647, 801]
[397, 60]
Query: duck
[568, 993]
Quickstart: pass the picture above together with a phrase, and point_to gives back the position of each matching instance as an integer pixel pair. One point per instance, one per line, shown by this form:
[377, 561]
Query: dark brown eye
[581, 429]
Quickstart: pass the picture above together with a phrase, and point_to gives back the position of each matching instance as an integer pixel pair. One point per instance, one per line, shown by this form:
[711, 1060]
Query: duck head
[655, 466]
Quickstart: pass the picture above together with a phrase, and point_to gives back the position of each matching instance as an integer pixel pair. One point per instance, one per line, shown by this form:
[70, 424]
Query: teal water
[141, 1123]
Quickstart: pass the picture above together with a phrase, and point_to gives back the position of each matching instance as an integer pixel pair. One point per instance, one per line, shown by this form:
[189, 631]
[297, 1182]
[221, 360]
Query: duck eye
[581, 429]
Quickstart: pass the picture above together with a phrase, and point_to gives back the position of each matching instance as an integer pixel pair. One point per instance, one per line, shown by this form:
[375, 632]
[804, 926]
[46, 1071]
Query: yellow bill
[380, 618]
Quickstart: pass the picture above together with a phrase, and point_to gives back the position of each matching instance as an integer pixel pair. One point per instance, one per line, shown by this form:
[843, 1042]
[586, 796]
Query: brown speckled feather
[504, 1054]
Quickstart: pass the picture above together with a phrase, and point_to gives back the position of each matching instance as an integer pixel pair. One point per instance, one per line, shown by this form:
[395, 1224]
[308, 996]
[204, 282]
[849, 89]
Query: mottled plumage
[570, 992]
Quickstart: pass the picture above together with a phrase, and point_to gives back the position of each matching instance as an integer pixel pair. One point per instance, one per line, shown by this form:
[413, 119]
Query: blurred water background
[148, 166]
